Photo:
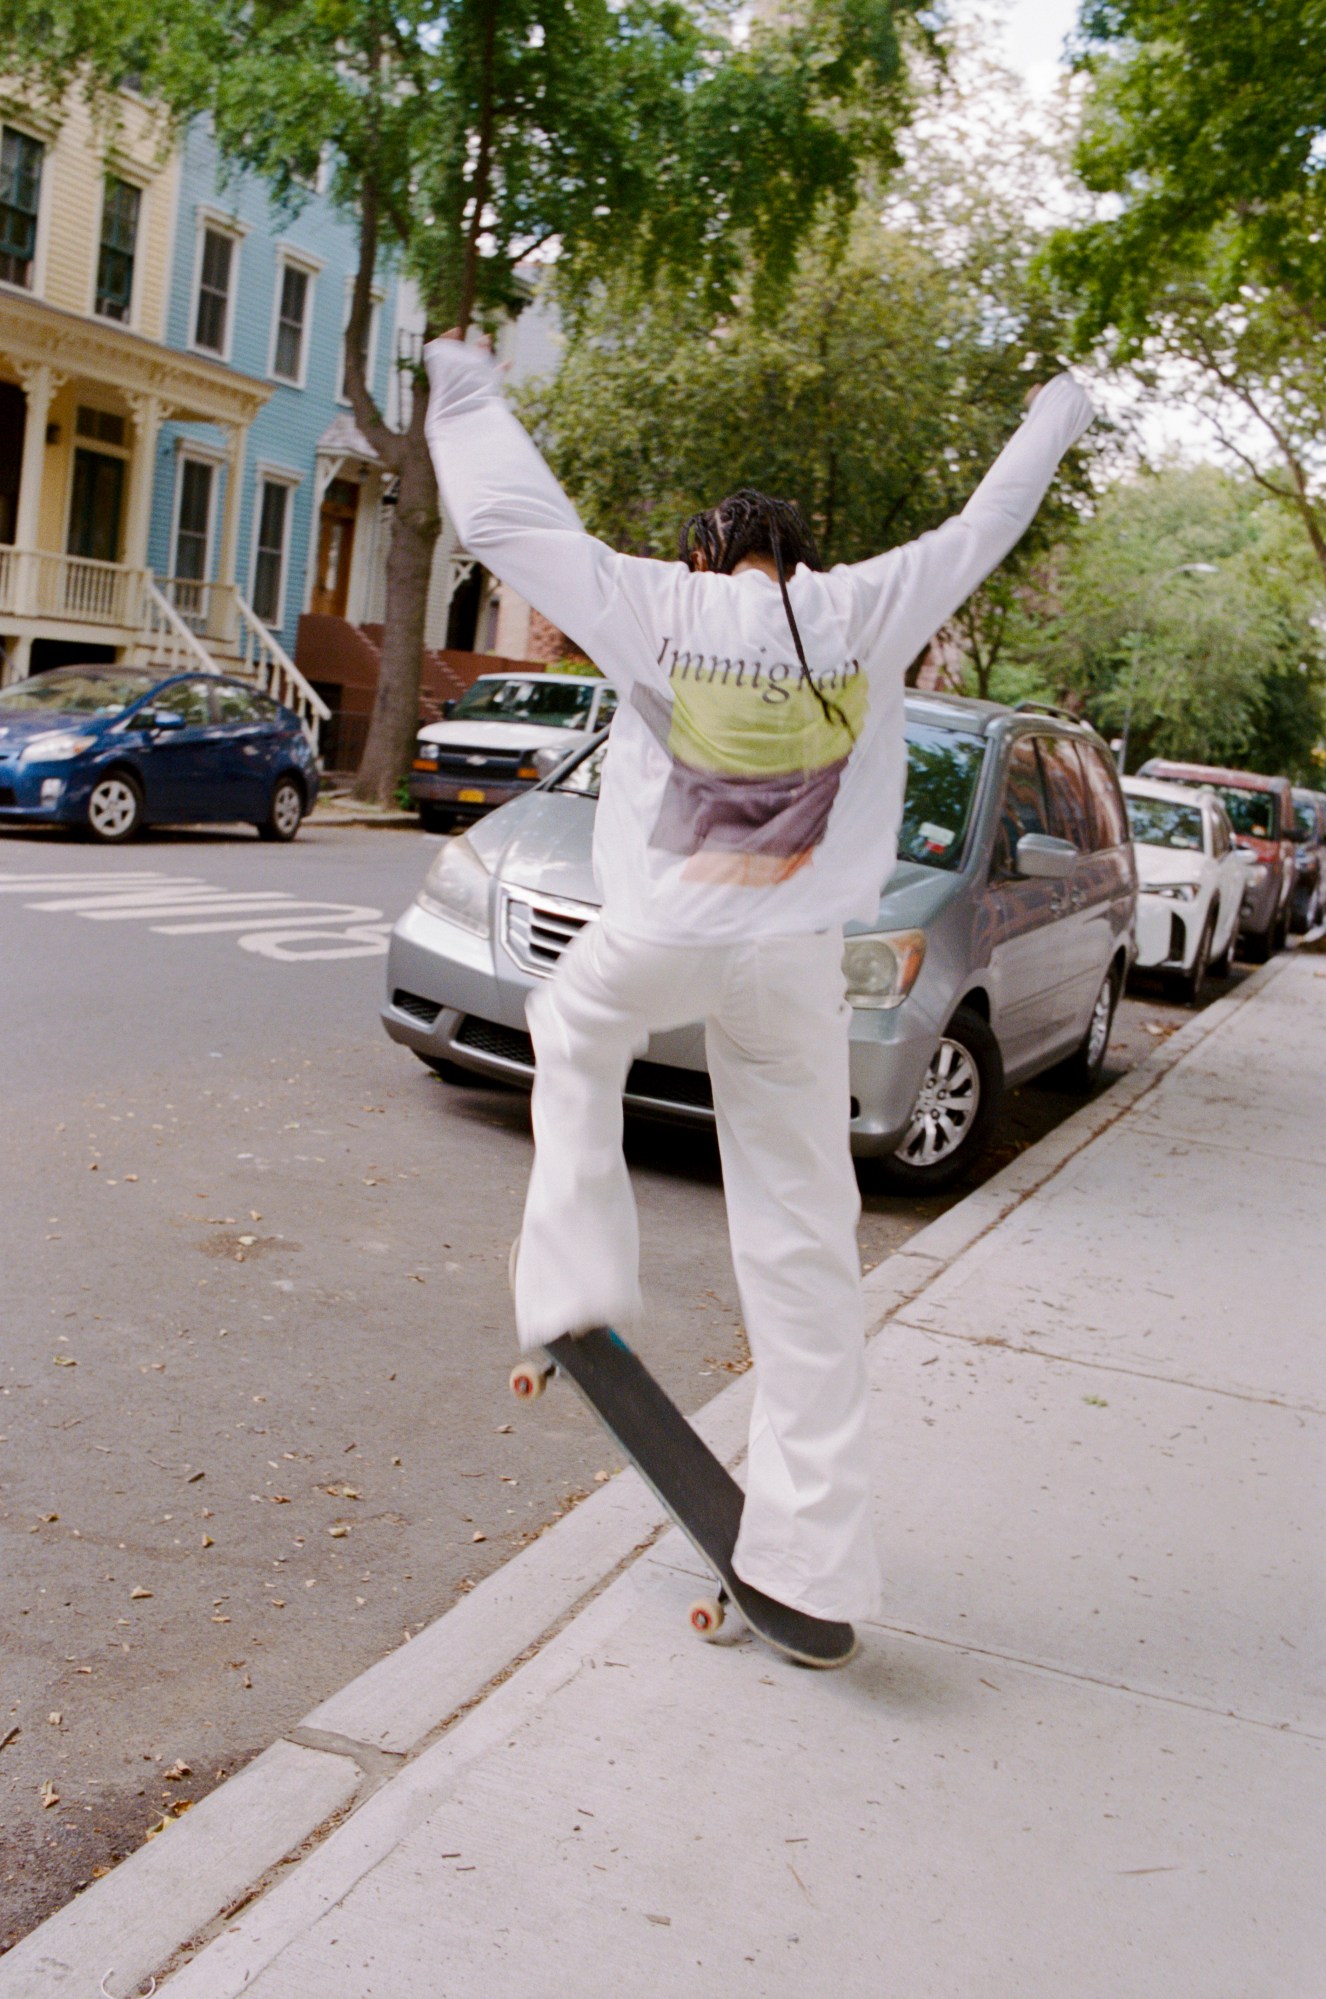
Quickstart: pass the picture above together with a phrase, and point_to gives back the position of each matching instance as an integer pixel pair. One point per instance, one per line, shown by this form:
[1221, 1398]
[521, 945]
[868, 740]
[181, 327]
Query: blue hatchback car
[113, 748]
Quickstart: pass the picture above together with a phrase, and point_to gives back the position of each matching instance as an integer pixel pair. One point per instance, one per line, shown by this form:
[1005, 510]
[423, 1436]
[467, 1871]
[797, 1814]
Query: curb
[332, 815]
[168, 1898]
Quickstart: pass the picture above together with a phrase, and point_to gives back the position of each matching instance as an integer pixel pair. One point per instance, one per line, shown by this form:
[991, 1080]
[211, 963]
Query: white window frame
[45, 133]
[220, 224]
[378, 296]
[187, 451]
[301, 260]
[273, 475]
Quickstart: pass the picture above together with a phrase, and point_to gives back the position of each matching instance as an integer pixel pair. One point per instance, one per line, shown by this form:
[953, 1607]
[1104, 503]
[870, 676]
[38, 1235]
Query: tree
[1222, 665]
[876, 391]
[465, 135]
[1204, 267]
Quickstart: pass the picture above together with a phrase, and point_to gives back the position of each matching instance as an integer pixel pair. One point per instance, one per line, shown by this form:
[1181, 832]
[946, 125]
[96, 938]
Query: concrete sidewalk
[1080, 1754]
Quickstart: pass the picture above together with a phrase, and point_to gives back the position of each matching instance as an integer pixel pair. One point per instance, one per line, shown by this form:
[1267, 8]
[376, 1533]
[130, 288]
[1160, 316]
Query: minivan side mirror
[448, 709]
[1043, 858]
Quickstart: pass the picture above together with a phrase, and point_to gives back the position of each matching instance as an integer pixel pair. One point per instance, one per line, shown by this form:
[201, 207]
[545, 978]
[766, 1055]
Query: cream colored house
[87, 226]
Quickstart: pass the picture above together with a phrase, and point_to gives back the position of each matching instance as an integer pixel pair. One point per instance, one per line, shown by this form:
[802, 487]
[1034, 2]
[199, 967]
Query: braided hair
[748, 523]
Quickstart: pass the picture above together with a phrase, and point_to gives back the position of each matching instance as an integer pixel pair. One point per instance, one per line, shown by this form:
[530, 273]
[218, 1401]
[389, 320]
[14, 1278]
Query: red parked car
[1262, 812]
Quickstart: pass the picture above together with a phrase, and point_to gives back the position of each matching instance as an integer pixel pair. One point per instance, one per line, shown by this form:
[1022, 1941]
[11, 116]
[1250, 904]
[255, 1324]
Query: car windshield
[550, 701]
[1158, 822]
[942, 769]
[76, 690]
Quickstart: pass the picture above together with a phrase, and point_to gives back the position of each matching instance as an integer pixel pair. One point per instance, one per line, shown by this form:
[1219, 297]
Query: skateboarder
[750, 804]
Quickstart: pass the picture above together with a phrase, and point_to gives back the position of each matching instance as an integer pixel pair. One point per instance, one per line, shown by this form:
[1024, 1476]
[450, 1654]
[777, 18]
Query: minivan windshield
[552, 702]
[77, 690]
[942, 768]
[1159, 822]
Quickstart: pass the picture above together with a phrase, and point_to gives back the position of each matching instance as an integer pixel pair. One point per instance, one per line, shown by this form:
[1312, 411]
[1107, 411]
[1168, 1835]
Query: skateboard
[700, 1493]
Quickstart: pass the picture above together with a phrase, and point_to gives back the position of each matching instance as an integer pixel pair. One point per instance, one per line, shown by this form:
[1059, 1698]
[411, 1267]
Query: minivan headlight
[882, 968]
[456, 887]
[56, 748]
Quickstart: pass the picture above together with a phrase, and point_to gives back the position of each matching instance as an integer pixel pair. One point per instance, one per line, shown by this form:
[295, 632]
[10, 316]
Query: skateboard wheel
[529, 1378]
[706, 1616]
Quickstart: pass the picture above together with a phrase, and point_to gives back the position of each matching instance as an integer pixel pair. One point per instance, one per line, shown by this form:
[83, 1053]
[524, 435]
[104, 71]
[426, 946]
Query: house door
[13, 422]
[336, 541]
[96, 505]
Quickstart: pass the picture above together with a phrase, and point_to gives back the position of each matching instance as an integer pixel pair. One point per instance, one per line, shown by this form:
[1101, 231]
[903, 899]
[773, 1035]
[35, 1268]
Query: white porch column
[228, 552]
[148, 411]
[40, 383]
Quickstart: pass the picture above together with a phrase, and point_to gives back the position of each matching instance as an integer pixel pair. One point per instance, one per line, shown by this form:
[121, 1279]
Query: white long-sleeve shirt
[731, 805]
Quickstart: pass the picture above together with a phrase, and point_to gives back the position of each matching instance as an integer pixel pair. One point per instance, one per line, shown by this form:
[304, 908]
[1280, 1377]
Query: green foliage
[462, 133]
[1205, 125]
[1228, 667]
[1203, 136]
[875, 394]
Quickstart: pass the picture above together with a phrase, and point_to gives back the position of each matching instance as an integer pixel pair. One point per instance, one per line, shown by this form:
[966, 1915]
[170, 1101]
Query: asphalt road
[254, 1423]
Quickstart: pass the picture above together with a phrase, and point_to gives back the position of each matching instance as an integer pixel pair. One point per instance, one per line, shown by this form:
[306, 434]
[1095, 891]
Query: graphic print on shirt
[756, 761]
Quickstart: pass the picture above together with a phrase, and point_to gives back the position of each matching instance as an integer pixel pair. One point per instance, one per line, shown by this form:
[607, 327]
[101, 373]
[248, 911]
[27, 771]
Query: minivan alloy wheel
[1098, 1034]
[947, 1103]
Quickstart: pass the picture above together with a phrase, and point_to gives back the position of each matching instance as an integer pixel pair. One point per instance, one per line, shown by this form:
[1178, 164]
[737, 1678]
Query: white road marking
[272, 922]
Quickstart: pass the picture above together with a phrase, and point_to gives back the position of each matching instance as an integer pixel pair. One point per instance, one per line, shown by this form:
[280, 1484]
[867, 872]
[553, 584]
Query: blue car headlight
[56, 748]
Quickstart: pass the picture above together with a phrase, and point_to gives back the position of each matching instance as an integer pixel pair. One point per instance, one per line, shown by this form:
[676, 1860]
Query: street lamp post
[1167, 576]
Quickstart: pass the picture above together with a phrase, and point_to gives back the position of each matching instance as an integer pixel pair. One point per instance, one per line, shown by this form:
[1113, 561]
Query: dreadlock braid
[752, 523]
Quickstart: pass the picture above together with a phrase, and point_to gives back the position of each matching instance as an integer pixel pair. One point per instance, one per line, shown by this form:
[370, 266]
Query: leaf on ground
[343, 1491]
[1096, 1401]
[64, 1360]
[179, 1768]
[55, 1717]
[49, 1795]
[339, 1531]
[138, 1593]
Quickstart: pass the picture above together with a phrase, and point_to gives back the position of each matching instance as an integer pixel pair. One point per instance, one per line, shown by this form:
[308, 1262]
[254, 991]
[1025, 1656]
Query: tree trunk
[418, 522]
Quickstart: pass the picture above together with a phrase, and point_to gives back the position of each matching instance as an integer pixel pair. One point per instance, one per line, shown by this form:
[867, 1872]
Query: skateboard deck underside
[700, 1493]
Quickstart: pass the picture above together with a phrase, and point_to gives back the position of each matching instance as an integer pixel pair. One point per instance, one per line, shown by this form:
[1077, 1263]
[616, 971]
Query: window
[236, 705]
[943, 766]
[193, 532]
[190, 698]
[102, 426]
[20, 193]
[1024, 809]
[269, 556]
[119, 242]
[1102, 784]
[546, 699]
[291, 320]
[1159, 822]
[607, 707]
[211, 326]
[1066, 785]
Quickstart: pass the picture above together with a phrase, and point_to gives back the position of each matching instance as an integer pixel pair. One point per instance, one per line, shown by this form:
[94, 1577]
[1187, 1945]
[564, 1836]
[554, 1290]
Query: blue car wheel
[286, 813]
[115, 807]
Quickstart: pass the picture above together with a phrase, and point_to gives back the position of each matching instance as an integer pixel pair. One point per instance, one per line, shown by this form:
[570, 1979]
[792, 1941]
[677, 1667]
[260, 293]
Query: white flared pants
[776, 1038]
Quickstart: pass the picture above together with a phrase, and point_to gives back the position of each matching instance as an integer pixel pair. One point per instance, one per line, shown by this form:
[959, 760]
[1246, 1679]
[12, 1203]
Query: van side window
[1023, 809]
[607, 707]
[1106, 805]
[1066, 784]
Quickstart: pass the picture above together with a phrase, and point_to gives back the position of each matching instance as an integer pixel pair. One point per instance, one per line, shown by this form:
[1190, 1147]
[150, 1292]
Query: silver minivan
[1000, 948]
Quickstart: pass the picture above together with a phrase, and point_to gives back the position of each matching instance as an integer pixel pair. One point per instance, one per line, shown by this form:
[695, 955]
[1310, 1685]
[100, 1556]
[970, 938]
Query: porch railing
[70, 589]
[263, 658]
[166, 640]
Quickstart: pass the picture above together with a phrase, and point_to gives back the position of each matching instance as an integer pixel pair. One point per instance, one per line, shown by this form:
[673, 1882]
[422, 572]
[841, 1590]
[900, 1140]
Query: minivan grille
[537, 928]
